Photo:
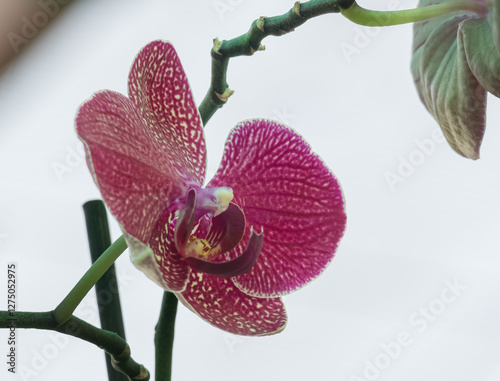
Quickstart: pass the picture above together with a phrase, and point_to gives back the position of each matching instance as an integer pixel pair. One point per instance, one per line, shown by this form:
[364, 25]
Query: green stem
[351, 10]
[66, 308]
[112, 343]
[108, 297]
[250, 42]
[164, 337]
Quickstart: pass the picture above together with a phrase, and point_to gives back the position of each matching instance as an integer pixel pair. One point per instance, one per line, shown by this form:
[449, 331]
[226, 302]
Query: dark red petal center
[226, 231]
[234, 267]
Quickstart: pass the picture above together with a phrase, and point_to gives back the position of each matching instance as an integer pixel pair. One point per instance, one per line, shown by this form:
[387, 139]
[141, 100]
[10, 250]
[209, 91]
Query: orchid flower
[268, 223]
[455, 63]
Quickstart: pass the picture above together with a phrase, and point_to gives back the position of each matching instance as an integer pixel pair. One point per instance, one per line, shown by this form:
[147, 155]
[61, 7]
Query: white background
[360, 112]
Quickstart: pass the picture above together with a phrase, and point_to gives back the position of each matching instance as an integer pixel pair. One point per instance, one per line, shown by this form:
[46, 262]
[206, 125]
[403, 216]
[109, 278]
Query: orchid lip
[226, 231]
[234, 267]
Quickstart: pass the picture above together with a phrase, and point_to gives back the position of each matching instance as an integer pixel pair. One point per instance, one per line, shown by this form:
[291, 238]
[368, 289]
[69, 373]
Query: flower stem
[250, 42]
[108, 298]
[351, 10]
[164, 337]
[109, 341]
[66, 308]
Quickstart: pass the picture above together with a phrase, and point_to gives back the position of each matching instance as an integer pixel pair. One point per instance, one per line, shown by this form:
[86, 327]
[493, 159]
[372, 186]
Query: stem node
[296, 8]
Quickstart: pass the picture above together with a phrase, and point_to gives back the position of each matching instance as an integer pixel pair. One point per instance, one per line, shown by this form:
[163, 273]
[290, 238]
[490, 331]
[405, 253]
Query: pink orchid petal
[286, 190]
[144, 259]
[130, 172]
[174, 269]
[161, 91]
[220, 303]
[234, 267]
[446, 84]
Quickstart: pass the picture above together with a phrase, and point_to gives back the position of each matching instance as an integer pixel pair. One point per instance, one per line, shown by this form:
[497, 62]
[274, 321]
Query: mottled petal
[233, 267]
[160, 89]
[174, 269]
[136, 179]
[445, 82]
[287, 191]
[143, 257]
[223, 305]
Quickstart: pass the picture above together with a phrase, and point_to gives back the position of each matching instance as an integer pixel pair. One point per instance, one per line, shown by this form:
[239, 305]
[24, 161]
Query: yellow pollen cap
[224, 196]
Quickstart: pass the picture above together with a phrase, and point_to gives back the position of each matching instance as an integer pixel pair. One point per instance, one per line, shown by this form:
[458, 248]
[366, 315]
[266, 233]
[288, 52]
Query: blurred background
[413, 293]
